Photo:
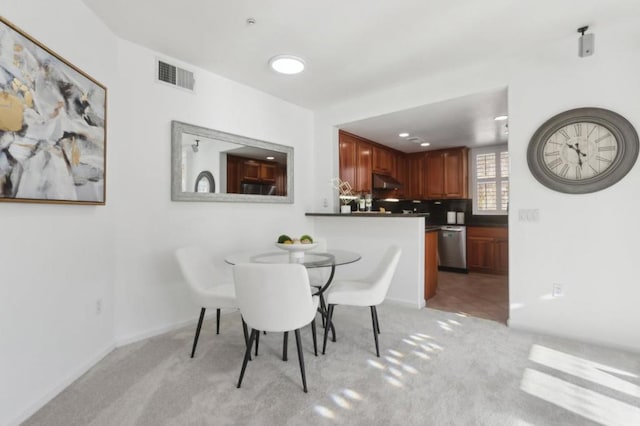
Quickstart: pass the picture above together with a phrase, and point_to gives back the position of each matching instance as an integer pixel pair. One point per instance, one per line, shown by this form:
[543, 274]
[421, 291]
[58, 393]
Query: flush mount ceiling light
[403, 134]
[270, 158]
[425, 144]
[287, 64]
[501, 117]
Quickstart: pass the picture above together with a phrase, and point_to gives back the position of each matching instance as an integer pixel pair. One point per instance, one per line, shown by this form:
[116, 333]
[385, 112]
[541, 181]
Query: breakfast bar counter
[370, 234]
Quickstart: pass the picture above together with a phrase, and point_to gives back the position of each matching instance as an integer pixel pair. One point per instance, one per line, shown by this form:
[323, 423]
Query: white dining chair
[275, 298]
[369, 291]
[201, 277]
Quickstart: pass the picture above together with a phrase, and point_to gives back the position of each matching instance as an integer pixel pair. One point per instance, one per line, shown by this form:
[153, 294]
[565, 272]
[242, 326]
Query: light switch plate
[529, 215]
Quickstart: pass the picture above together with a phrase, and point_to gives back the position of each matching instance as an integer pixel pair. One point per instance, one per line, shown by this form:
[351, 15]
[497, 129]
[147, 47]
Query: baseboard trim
[528, 329]
[404, 303]
[136, 337]
[62, 385]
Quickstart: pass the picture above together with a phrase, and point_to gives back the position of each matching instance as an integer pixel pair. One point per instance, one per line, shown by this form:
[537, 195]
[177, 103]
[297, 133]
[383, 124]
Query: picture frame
[53, 125]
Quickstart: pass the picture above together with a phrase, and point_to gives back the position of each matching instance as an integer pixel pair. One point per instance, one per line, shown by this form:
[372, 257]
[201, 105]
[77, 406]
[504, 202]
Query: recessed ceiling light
[403, 134]
[270, 158]
[287, 64]
[425, 144]
[501, 117]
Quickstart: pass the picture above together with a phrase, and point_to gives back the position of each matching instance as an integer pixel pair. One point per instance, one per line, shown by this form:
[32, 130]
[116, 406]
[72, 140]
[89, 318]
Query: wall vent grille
[175, 76]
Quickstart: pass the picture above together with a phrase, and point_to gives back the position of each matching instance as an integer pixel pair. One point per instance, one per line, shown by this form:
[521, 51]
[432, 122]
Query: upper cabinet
[355, 162]
[384, 161]
[447, 174]
[426, 175]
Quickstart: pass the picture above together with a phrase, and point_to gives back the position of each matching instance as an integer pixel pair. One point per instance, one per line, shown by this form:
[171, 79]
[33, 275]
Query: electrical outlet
[98, 306]
[556, 290]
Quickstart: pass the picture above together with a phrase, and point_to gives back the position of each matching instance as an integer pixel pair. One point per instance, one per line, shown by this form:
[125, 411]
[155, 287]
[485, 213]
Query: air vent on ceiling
[175, 76]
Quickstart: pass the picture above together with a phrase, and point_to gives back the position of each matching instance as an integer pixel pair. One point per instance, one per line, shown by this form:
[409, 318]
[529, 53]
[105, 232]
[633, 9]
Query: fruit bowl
[296, 251]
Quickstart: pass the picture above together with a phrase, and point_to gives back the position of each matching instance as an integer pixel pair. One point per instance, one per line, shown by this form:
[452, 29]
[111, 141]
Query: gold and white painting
[52, 125]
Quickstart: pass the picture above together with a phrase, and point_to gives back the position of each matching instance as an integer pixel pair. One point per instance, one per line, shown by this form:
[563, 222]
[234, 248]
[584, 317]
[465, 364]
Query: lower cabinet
[430, 264]
[488, 249]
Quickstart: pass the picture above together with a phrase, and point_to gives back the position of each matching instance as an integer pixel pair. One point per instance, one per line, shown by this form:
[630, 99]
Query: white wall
[56, 260]
[149, 293]
[586, 242]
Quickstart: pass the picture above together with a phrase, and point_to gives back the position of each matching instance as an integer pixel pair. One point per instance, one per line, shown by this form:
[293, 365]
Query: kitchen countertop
[369, 214]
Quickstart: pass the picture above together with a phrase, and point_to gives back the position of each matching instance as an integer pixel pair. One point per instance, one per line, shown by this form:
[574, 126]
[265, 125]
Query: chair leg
[257, 342]
[301, 359]
[323, 306]
[218, 321]
[195, 339]
[327, 327]
[315, 339]
[246, 335]
[375, 311]
[374, 322]
[285, 340]
[247, 355]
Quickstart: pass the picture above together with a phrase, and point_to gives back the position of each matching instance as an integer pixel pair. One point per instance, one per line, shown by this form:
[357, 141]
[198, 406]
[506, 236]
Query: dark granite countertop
[370, 214]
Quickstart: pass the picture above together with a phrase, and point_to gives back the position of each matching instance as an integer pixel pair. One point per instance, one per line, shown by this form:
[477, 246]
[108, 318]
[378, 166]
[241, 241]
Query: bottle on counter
[361, 203]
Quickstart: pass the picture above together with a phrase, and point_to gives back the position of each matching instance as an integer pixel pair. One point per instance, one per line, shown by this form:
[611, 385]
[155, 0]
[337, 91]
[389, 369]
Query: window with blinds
[490, 180]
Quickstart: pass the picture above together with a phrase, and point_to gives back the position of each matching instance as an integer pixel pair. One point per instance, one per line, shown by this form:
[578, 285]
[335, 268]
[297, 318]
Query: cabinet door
[502, 256]
[268, 172]
[347, 159]
[416, 173]
[251, 170]
[434, 185]
[481, 254]
[430, 264]
[455, 173]
[363, 167]
[383, 161]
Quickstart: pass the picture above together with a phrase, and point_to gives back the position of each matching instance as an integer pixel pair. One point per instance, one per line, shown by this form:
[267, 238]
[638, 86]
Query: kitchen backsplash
[438, 211]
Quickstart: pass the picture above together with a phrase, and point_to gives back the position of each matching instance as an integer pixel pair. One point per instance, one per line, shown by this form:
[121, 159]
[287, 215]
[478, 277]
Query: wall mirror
[210, 165]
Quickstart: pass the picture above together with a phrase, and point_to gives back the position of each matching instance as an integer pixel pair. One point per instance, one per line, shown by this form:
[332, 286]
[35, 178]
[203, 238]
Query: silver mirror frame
[178, 128]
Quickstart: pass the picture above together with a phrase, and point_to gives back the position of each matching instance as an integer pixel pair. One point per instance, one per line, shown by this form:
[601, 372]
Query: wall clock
[583, 150]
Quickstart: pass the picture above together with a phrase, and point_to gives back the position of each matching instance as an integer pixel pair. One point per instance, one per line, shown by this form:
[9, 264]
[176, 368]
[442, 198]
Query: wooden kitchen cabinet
[430, 264]
[355, 162]
[488, 250]
[414, 183]
[384, 161]
[259, 171]
[446, 174]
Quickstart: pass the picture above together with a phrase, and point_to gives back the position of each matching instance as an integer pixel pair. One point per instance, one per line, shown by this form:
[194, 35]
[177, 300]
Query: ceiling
[355, 47]
[466, 121]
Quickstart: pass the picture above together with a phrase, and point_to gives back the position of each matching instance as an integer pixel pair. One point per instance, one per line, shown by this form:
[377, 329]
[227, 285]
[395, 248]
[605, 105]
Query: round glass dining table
[311, 259]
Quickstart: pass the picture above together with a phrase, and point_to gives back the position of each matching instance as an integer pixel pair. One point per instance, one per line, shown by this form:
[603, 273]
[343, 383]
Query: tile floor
[479, 295]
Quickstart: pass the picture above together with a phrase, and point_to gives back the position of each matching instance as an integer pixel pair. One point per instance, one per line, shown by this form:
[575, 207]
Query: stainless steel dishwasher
[452, 248]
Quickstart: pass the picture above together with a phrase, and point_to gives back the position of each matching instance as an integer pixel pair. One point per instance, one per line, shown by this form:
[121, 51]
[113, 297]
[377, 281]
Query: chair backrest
[274, 297]
[380, 278]
[197, 269]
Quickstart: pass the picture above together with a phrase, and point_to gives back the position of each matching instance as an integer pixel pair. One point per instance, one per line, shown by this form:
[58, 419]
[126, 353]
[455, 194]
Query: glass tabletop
[311, 259]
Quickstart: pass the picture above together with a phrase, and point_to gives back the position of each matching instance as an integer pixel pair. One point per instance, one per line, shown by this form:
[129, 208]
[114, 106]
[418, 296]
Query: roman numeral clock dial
[583, 150]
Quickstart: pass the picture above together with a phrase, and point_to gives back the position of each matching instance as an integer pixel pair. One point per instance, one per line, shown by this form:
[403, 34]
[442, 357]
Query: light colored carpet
[436, 368]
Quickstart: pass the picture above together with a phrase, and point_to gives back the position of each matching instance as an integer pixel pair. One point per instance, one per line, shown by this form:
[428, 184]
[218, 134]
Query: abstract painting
[52, 125]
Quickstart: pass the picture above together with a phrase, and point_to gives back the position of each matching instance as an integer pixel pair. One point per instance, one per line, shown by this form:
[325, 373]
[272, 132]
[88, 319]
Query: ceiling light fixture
[403, 134]
[287, 64]
[425, 144]
[501, 117]
[270, 158]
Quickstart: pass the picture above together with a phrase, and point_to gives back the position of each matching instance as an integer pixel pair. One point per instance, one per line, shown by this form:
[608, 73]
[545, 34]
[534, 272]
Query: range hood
[385, 182]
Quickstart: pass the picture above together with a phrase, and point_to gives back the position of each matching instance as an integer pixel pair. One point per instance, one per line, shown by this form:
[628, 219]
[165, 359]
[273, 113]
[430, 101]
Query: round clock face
[583, 150]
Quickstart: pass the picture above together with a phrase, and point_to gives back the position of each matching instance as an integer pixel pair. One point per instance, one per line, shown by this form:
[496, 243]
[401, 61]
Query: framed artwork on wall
[52, 125]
